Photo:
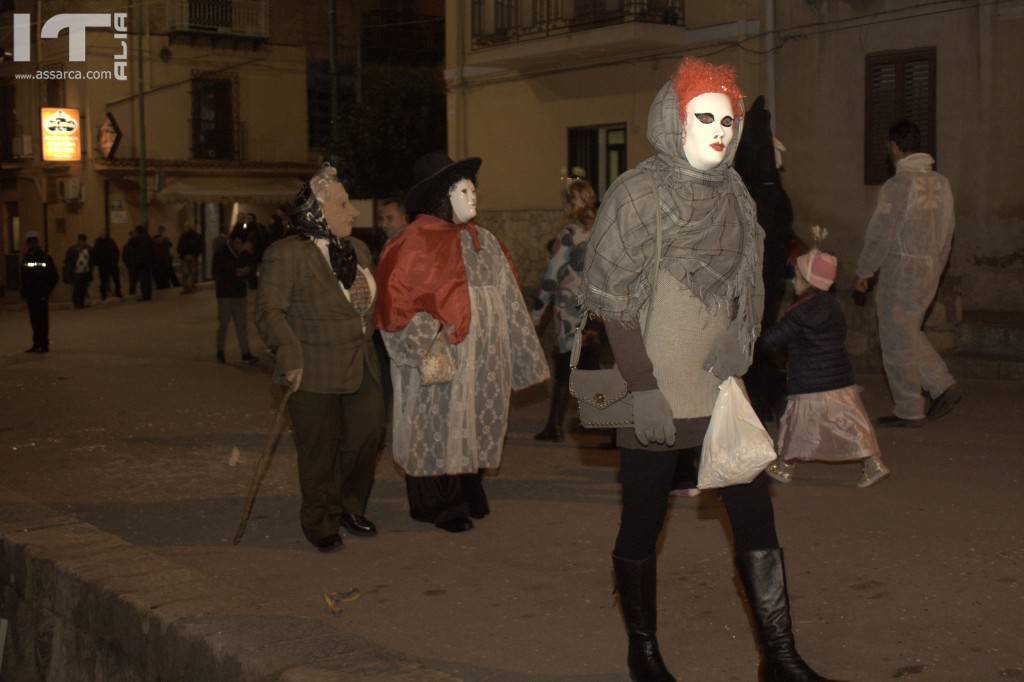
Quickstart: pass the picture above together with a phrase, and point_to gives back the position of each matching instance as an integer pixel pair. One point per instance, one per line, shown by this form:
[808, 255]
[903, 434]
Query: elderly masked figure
[449, 297]
[705, 318]
[315, 313]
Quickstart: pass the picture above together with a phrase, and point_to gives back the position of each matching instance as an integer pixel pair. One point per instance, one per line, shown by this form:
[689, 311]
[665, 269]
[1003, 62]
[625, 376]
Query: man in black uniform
[38, 278]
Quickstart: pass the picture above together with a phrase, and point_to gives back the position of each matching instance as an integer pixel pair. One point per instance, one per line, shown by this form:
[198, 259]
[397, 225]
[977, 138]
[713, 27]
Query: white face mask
[708, 130]
[463, 198]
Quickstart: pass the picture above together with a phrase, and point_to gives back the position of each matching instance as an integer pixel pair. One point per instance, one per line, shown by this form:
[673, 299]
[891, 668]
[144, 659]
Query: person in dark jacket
[38, 278]
[190, 248]
[825, 419]
[105, 257]
[78, 270]
[138, 258]
[163, 260]
[232, 267]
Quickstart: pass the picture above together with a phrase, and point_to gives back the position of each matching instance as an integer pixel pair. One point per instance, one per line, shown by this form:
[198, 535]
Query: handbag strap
[577, 343]
[433, 342]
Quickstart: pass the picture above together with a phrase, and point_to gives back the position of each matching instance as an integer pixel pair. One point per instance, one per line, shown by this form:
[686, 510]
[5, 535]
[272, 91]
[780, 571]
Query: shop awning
[228, 189]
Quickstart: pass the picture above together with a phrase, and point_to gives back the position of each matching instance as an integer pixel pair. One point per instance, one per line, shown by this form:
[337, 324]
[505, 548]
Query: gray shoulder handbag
[601, 394]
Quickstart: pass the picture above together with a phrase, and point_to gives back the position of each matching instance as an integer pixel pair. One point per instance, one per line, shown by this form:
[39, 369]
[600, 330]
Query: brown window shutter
[898, 85]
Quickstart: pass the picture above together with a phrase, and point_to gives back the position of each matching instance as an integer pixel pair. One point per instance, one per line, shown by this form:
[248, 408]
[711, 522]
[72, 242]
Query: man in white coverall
[907, 243]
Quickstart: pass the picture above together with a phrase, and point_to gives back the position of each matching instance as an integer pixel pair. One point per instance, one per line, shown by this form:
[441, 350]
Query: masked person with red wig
[449, 297]
[705, 319]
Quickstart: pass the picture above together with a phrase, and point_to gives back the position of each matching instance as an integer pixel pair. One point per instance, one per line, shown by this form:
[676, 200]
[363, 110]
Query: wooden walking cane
[263, 465]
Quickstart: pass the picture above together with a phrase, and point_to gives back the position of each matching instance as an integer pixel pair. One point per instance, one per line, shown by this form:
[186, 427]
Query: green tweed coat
[307, 322]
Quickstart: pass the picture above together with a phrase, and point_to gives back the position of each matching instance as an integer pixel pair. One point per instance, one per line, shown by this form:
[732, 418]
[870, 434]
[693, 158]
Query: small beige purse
[437, 366]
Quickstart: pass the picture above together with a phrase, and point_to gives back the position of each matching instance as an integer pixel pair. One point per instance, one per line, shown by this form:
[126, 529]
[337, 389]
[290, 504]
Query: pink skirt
[831, 426]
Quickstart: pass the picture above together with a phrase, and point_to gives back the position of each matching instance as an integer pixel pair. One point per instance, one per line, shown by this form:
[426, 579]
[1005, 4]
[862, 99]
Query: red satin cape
[421, 270]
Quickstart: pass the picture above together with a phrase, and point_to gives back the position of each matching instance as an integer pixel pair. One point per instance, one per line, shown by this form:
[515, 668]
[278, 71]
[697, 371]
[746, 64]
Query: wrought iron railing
[241, 18]
[503, 21]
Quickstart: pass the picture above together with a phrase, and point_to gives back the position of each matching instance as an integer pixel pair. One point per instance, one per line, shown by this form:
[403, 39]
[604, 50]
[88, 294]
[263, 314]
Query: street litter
[236, 457]
[334, 600]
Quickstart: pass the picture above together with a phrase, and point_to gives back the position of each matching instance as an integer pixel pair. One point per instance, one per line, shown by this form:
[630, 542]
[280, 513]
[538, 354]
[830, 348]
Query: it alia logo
[75, 24]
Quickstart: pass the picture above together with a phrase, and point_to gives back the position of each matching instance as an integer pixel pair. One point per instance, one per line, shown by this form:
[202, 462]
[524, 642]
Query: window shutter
[899, 85]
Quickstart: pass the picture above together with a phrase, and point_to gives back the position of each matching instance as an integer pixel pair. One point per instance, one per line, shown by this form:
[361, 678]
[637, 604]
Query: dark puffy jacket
[226, 263]
[814, 332]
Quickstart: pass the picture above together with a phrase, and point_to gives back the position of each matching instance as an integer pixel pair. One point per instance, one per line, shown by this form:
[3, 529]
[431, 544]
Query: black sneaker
[331, 543]
[220, 357]
[250, 359]
[894, 422]
[945, 403]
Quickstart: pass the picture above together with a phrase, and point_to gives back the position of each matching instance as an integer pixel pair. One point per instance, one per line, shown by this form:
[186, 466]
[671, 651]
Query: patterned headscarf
[307, 220]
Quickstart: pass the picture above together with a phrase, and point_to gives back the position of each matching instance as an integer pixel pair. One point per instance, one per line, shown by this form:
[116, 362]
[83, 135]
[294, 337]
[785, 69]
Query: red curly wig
[695, 77]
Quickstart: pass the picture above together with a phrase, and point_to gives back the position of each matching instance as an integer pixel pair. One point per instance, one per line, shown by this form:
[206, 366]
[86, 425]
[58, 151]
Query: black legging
[646, 481]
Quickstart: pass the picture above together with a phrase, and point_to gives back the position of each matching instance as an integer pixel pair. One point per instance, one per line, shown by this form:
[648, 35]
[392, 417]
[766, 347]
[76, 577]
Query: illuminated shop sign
[62, 137]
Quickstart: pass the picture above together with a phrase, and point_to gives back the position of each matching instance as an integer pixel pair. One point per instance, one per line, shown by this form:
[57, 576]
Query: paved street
[129, 425]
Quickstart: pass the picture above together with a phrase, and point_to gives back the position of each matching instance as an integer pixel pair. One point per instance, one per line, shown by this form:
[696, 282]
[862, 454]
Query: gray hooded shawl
[711, 241]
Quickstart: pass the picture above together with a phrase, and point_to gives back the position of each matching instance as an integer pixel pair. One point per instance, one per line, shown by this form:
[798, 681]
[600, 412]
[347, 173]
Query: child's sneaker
[780, 471]
[874, 471]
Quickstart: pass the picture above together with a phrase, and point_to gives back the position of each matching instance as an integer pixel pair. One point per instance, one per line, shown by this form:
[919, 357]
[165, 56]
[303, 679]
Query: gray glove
[652, 418]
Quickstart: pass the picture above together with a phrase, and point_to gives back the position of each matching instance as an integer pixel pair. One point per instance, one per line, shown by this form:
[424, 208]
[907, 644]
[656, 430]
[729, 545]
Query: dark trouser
[160, 276]
[79, 289]
[646, 481]
[437, 499]
[228, 310]
[39, 318]
[144, 277]
[108, 274]
[337, 438]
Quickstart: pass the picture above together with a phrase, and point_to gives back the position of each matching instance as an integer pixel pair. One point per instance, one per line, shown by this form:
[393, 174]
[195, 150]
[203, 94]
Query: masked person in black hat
[461, 340]
[38, 278]
[315, 313]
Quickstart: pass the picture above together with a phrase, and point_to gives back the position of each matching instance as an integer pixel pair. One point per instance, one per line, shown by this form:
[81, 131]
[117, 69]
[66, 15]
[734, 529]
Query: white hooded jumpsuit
[908, 242]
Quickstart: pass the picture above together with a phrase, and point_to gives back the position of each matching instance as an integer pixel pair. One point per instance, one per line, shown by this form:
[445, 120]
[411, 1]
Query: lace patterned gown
[459, 427]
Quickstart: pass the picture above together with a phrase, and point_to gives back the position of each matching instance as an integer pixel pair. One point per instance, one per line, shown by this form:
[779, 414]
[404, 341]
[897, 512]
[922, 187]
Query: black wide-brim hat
[435, 173]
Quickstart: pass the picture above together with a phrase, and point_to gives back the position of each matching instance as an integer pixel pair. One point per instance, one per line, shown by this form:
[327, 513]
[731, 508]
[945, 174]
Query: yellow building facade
[524, 78]
[223, 89]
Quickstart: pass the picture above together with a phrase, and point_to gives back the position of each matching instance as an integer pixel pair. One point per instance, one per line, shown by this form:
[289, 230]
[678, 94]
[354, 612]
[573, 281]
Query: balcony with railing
[249, 19]
[522, 33]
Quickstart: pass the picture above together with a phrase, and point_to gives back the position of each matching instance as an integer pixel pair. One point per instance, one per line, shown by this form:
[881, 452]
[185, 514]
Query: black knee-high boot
[764, 578]
[636, 582]
[559, 399]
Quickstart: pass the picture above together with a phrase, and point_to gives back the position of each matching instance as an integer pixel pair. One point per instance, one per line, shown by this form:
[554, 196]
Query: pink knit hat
[818, 268]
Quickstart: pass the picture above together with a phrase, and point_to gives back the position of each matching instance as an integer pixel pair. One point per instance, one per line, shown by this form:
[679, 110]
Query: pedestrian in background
[38, 278]
[231, 268]
[138, 257]
[908, 242]
[315, 312]
[391, 217]
[78, 270]
[105, 257]
[163, 260]
[560, 288]
[825, 419]
[190, 248]
[278, 225]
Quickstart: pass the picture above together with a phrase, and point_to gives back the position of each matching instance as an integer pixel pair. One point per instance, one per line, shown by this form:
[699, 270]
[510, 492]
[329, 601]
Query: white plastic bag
[736, 446]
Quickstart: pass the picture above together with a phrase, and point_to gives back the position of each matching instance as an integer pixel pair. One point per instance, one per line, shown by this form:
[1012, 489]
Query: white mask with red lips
[708, 130]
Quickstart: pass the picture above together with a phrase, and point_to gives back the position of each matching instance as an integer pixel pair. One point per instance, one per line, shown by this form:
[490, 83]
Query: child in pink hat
[825, 419]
